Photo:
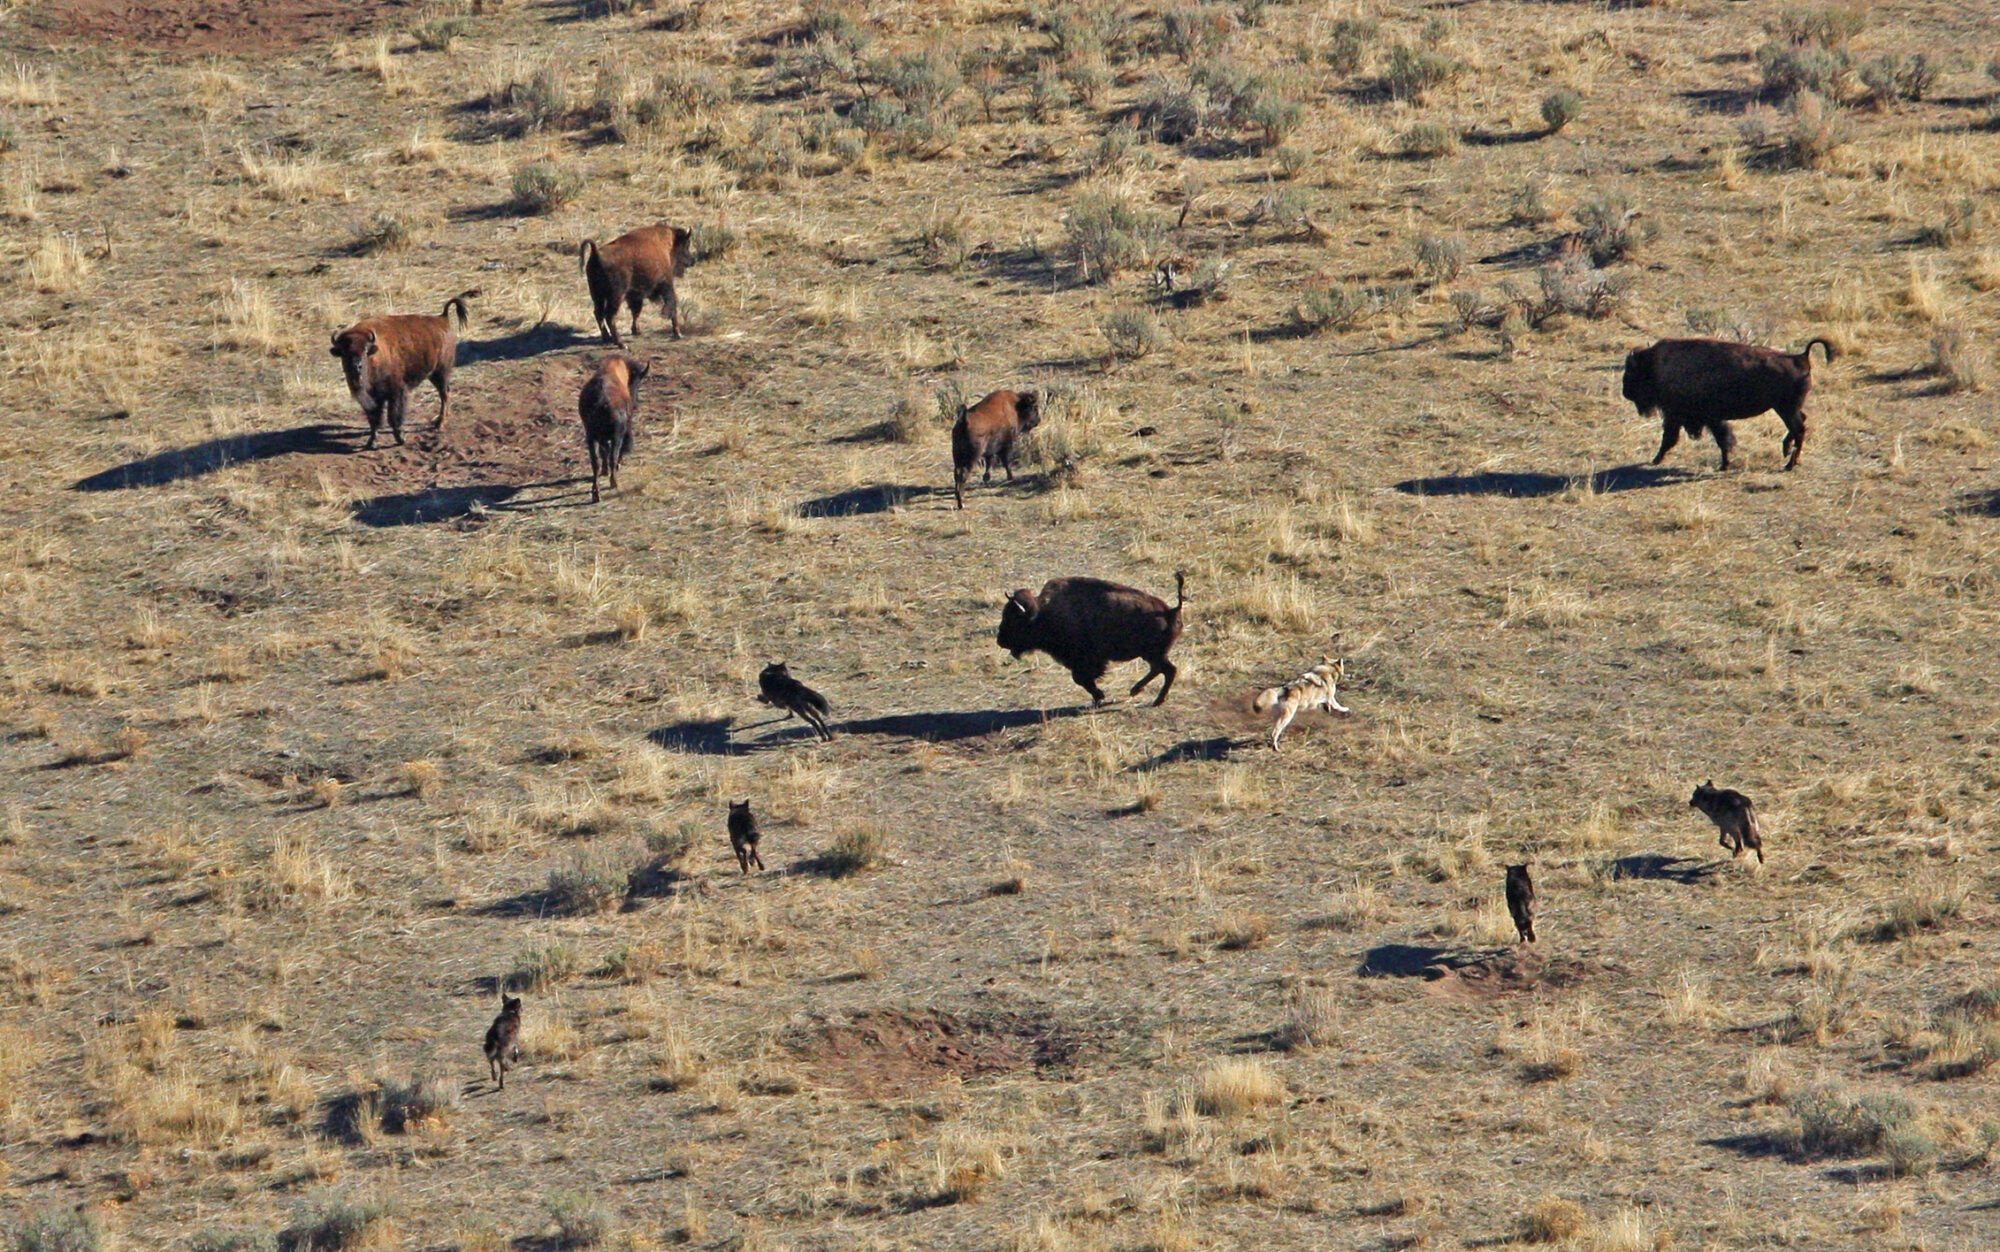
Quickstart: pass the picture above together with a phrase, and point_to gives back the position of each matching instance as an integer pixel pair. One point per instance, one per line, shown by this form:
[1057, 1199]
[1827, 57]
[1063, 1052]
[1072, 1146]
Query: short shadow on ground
[1656, 867]
[1532, 485]
[863, 501]
[1216, 749]
[1409, 960]
[444, 504]
[717, 736]
[206, 458]
[522, 344]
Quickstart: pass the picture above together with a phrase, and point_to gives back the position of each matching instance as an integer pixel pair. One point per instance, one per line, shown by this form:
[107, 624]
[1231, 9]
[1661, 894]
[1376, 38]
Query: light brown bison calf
[638, 266]
[1705, 384]
[606, 406]
[985, 433]
[383, 357]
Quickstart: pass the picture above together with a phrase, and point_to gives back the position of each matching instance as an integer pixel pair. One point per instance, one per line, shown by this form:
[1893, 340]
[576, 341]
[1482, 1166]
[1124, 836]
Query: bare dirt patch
[509, 444]
[889, 1051]
[236, 27]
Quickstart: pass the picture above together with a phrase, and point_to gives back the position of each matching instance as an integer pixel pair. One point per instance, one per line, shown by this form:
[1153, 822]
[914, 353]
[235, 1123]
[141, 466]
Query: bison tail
[1180, 590]
[458, 302]
[1826, 346]
[585, 251]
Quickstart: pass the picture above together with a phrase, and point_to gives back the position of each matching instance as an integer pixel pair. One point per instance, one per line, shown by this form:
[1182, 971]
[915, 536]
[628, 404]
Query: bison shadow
[1655, 867]
[1984, 503]
[864, 501]
[1532, 485]
[717, 736]
[445, 504]
[521, 344]
[320, 439]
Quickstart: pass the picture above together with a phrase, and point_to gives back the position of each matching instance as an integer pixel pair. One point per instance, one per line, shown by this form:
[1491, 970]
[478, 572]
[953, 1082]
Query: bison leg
[591, 445]
[1161, 666]
[397, 403]
[1086, 676]
[442, 381]
[636, 302]
[1795, 434]
[958, 476]
[1670, 434]
[374, 416]
[1725, 439]
[671, 304]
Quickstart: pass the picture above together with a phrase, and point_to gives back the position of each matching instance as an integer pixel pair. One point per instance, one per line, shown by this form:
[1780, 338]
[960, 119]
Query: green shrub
[1427, 140]
[711, 239]
[1106, 234]
[1049, 97]
[538, 969]
[1348, 43]
[336, 1223]
[1890, 77]
[222, 1240]
[385, 232]
[438, 34]
[1175, 110]
[582, 1221]
[1292, 162]
[1559, 108]
[1959, 225]
[543, 187]
[1133, 333]
[1791, 69]
[54, 1229]
[1441, 258]
[409, 1103]
[926, 80]
[1087, 77]
[1612, 228]
[1575, 286]
[1191, 31]
[1834, 1122]
[593, 880]
[854, 850]
[1958, 362]
[1339, 307]
[1829, 27]
[1412, 74]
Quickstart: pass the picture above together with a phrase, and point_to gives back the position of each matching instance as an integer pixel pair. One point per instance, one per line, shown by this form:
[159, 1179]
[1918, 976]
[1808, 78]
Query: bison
[638, 266]
[1704, 384]
[384, 357]
[985, 433]
[606, 406]
[1086, 623]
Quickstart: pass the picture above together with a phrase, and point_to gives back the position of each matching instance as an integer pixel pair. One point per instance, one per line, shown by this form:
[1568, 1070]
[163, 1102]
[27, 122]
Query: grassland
[310, 752]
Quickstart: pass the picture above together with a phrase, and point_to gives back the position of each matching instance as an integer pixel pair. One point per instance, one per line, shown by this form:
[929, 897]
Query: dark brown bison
[1086, 623]
[1704, 384]
[606, 406]
[638, 266]
[985, 434]
[383, 357]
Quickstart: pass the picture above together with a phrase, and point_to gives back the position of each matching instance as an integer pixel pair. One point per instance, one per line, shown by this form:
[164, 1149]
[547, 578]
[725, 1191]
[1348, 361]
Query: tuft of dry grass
[1234, 1087]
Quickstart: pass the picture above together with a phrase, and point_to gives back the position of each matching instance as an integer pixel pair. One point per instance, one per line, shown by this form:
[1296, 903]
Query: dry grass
[311, 751]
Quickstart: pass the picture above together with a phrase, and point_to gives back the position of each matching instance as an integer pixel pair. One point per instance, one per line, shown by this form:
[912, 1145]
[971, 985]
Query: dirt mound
[1510, 974]
[234, 27]
[883, 1052]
